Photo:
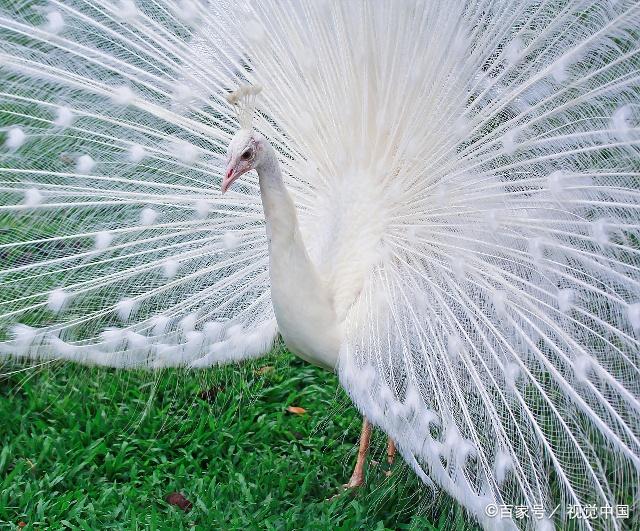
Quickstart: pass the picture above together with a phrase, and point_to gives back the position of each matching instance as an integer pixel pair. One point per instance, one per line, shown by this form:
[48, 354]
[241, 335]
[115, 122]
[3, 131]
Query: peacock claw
[351, 486]
[355, 482]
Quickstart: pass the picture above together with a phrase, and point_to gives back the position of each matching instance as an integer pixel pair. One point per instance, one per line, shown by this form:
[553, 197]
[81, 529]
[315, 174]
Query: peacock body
[463, 183]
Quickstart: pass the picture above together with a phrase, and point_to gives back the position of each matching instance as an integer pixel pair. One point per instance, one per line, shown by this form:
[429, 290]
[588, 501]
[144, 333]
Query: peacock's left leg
[357, 478]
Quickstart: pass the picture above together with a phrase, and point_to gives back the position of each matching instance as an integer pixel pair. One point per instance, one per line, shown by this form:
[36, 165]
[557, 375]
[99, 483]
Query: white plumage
[457, 230]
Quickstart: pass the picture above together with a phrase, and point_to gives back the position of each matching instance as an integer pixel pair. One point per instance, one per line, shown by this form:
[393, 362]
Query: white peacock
[452, 214]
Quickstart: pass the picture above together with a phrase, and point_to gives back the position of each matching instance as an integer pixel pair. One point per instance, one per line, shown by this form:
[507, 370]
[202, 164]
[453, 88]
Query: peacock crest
[243, 100]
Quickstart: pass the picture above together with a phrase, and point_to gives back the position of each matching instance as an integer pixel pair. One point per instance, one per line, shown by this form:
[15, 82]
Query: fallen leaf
[178, 499]
[264, 370]
[210, 394]
[296, 410]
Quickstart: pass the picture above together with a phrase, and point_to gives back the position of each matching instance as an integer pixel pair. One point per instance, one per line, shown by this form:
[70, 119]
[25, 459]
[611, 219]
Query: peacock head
[243, 155]
[247, 146]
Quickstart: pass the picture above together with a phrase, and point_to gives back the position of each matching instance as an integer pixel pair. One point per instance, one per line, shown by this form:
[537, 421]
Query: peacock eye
[246, 155]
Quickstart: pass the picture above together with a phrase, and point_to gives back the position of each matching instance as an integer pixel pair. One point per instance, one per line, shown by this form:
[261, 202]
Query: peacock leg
[357, 478]
[391, 454]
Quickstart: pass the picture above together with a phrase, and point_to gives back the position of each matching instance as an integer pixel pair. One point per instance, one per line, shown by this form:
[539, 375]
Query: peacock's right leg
[391, 455]
[357, 478]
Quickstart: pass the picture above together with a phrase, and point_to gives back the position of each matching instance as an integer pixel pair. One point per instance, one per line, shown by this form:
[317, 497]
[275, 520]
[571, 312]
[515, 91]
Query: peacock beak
[229, 176]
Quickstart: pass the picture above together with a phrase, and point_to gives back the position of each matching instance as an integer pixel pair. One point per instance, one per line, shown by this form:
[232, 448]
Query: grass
[90, 448]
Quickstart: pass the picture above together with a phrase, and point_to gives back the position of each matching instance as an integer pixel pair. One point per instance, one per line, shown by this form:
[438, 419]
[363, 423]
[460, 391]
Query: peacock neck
[301, 301]
[279, 208]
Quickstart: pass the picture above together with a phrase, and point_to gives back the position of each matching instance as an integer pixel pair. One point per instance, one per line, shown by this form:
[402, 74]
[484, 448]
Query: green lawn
[89, 448]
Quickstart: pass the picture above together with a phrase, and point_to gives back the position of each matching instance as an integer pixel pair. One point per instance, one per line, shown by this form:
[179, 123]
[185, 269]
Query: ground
[91, 448]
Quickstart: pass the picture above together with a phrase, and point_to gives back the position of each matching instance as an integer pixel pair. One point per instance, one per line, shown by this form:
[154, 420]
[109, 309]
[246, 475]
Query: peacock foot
[356, 480]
